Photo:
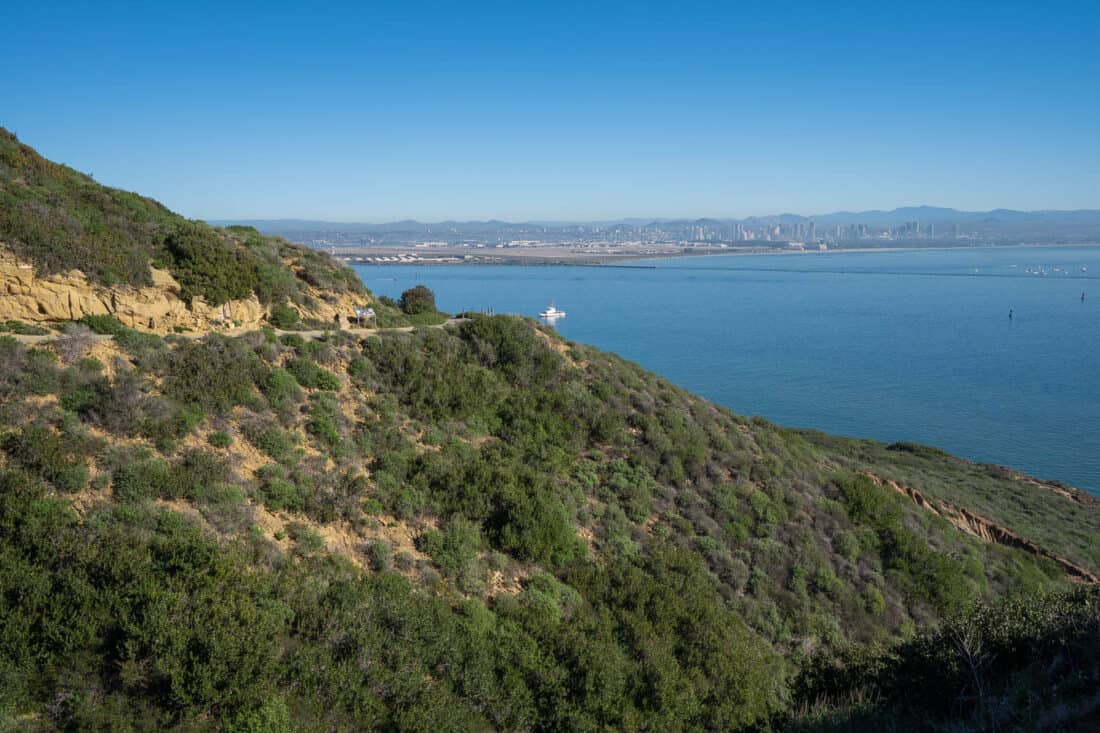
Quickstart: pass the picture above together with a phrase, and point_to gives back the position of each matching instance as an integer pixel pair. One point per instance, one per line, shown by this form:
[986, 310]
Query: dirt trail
[307, 335]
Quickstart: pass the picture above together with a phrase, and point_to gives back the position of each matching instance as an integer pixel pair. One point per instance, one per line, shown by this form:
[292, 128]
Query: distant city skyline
[909, 226]
[562, 111]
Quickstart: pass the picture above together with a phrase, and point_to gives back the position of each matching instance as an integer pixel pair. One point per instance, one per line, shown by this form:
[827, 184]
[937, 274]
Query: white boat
[552, 313]
[1084, 268]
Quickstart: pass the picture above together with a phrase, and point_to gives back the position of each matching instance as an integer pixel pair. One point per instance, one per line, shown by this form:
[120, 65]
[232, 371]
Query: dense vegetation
[592, 548]
[1026, 663]
[474, 527]
[61, 220]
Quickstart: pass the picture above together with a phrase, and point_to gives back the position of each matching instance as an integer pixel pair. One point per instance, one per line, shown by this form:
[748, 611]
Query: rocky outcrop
[985, 530]
[24, 296]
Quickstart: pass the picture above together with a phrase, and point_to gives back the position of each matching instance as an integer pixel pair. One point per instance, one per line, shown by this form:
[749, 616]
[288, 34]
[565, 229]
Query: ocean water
[908, 345]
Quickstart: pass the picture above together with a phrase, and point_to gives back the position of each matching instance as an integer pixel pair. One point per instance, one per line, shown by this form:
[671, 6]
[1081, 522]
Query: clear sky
[598, 110]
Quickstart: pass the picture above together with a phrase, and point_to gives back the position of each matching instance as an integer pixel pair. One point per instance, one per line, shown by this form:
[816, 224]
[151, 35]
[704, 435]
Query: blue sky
[371, 111]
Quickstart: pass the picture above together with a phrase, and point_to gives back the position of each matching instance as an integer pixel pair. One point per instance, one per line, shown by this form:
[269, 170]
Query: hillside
[486, 527]
[70, 247]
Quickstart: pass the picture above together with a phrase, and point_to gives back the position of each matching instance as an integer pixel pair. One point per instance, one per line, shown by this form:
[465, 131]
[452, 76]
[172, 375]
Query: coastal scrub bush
[920, 571]
[282, 494]
[208, 266]
[417, 299]
[533, 524]
[306, 539]
[143, 479]
[326, 422]
[632, 486]
[380, 556]
[275, 283]
[31, 371]
[453, 547]
[49, 455]
[220, 439]
[271, 440]
[22, 329]
[270, 717]
[283, 317]
[281, 388]
[146, 349]
[293, 341]
[308, 374]
[215, 373]
[322, 272]
[1001, 665]
[103, 324]
[511, 347]
[165, 421]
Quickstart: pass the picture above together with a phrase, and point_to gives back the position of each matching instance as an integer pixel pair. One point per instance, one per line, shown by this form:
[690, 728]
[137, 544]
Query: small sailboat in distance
[552, 313]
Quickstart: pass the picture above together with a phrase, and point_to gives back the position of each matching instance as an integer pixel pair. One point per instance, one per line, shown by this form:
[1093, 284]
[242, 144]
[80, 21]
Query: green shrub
[165, 422]
[21, 328]
[146, 348]
[220, 439]
[145, 479]
[49, 455]
[196, 475]
[281, 387]
[275, 283]
[453, 547]
[535, 526]
[271, 717]
[294, 341]
[322, 425]
[281, 494]
[307, 541]
[632, 486]
[90, 364]
[379, 555]
[312, 376]
[104, 324]
[418, 299]
[271, 440]
[215, 373]
[207, 265]
[283, 317]
[921, 572]
[427, 318]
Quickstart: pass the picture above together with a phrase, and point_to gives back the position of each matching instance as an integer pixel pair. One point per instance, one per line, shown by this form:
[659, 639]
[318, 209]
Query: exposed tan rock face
[985, 530]
[70, 296]
[331, 307]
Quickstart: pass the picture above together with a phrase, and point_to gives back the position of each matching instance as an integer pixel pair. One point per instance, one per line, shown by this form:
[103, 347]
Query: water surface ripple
[913, 345]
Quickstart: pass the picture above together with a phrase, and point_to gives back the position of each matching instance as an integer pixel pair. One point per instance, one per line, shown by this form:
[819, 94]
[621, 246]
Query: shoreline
[551, 256]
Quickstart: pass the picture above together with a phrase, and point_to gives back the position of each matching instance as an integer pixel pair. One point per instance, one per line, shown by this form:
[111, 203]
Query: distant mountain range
[875, 217]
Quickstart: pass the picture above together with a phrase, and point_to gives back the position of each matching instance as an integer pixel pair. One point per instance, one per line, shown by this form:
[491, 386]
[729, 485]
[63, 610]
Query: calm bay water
[911, 345]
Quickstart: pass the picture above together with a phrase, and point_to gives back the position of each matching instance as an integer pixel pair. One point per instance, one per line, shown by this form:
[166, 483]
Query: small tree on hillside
[418, 299]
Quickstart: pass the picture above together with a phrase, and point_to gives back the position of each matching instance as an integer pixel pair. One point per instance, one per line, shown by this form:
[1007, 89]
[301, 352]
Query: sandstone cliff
[24, 296]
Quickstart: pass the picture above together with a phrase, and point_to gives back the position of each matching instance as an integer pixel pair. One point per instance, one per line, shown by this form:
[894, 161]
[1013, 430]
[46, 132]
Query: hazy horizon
[640, 218]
